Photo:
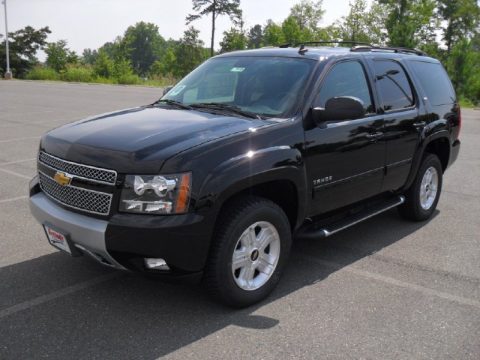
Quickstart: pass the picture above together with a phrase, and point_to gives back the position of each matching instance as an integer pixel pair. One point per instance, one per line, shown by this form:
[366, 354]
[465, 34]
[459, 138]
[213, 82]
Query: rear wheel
[423, 195]
[250, 249]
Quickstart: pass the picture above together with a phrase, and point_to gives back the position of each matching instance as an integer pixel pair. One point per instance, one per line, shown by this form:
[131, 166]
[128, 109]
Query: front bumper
[86, 233]
[124, 240]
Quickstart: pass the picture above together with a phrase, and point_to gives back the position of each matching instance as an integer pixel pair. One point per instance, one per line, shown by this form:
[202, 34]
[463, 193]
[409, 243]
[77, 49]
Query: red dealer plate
[57, 239]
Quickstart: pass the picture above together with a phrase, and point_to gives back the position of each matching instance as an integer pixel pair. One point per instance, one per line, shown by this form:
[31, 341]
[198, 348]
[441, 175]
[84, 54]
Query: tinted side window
[435, 82]
[393, 85]
[346, 79]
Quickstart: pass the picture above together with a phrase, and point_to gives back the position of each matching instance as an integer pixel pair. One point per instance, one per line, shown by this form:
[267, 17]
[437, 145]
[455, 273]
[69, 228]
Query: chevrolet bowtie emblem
[62, 178]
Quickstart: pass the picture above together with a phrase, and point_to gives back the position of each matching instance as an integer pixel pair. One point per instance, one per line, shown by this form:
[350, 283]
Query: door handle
[374, 136]
[420, 124]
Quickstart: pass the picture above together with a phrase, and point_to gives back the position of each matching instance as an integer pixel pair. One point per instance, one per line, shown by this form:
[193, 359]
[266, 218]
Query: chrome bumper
[87, 234]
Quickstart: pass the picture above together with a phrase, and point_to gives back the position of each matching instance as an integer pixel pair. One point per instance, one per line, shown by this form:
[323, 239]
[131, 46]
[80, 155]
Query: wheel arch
[441, 148]
[282, 192]
[277, 174]
[438, 144]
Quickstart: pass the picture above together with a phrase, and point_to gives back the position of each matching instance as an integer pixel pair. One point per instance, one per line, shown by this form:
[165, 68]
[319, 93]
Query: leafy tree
[289, 32]
[377, 19]
[293, 33]
[142, 44]
[104, 65]
[122, 72]
[24, 45]
[308, 14]
[89, 56]
[255, 37]
[111, 49]
[463, 66]
[215, 8]
[72, 57]
[461, 18]
[189, 52]
[362, 24]
[273, 34]
[331, 32]
[408, 21]
[167, 64]
[58, 55]
[121, 67]
[233, 39]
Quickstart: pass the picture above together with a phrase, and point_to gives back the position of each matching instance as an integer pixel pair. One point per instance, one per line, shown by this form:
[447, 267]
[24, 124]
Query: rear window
[393, 85]
[435, 82]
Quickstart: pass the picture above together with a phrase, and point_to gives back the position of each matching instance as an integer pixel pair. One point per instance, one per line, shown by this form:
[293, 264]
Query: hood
[139, 140]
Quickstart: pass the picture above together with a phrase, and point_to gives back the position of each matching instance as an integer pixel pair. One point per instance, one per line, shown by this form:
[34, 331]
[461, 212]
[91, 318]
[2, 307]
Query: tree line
[446, 29]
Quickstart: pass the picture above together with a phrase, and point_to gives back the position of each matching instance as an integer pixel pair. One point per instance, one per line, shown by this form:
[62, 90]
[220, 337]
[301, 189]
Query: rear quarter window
[435, 82]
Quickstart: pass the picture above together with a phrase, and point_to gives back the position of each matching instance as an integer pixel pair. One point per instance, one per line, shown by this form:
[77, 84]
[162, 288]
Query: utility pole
[8, 73]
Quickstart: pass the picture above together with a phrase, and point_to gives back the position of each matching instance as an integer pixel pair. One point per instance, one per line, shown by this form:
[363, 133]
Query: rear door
[345, 160]
[403, 122]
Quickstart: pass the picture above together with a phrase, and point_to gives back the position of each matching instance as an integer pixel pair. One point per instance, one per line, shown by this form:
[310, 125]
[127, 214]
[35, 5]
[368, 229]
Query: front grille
[84, 171]
[77, 198]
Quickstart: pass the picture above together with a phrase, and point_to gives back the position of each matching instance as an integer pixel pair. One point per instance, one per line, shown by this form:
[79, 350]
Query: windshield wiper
[178, 104]
[228, 108]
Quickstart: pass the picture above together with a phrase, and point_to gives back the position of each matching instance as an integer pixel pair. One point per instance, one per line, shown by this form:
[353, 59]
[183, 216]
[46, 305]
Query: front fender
[253, 168]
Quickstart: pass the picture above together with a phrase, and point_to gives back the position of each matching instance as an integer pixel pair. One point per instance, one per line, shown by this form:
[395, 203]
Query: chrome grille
[83, 171]
[77, 198]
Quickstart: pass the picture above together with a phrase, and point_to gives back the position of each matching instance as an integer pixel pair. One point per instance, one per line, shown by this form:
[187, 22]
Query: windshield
[268, 86]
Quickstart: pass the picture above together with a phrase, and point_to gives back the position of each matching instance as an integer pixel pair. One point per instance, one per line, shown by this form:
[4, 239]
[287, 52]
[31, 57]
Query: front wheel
[423, 195]
[250, 249]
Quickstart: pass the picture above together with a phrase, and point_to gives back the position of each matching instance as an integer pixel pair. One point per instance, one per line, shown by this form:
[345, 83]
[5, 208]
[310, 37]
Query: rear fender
[419, 154]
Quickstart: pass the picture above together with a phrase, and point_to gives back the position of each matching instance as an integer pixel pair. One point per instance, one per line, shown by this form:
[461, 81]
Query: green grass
[128, 79]
[43, 73]
[77, 74]
[85, 74]
[466, 103]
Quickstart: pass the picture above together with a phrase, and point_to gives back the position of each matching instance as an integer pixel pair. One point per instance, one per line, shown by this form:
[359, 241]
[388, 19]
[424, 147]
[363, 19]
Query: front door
[345, 160]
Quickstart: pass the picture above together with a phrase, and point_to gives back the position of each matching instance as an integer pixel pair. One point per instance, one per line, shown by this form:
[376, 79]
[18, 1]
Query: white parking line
[56, 294]
[388, 280]
[13, 199]
[17, 162]
[16, 174]
[19, 139]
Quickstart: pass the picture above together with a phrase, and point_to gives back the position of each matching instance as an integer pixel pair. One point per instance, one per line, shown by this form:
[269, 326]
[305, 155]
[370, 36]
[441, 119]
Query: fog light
[156, 264]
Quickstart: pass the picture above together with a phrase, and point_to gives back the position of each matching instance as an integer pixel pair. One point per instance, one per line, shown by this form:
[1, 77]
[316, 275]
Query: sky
[91, 23]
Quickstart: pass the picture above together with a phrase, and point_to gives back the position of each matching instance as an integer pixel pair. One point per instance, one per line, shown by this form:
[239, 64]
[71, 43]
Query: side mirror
[339, 109]
[167, 89]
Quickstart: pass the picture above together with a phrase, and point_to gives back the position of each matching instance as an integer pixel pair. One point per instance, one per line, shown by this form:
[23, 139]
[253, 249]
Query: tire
[257, 232]
[423, 195]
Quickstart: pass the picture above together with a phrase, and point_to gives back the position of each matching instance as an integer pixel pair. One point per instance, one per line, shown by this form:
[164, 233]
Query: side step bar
[315, 232]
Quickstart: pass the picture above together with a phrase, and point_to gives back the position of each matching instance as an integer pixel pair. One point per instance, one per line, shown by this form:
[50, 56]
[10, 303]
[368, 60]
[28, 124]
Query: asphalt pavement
[384, 289]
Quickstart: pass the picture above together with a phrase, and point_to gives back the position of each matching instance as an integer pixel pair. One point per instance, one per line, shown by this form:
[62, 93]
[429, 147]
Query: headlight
[156, 194]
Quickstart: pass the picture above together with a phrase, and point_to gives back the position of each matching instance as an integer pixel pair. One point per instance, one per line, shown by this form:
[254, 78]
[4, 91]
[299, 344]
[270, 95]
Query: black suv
[250, 150]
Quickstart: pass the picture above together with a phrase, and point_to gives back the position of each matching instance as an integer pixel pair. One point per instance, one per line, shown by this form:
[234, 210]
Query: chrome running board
[316, 232]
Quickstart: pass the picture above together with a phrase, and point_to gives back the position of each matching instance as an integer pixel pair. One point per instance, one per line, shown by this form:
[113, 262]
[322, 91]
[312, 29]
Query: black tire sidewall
[429, 161]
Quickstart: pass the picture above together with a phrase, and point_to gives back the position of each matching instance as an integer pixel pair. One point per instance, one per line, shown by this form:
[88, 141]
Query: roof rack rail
[333, 42]
[358, 46]
[303, 45]
[402, 50]
[287, 45]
